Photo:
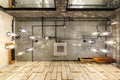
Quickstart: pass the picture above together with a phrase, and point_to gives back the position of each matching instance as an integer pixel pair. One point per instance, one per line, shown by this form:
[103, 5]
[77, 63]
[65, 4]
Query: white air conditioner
[60, 49]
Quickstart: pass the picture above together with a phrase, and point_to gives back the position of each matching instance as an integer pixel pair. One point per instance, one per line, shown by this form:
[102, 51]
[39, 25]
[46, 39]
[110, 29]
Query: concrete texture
[44, 49]
[115, 35]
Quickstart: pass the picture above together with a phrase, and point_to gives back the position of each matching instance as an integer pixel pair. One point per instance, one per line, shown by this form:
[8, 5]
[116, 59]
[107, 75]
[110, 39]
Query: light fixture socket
[9, 46]
[9, 34]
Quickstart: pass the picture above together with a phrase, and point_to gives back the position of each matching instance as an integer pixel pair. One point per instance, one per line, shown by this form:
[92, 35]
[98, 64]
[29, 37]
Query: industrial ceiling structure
[62, 8]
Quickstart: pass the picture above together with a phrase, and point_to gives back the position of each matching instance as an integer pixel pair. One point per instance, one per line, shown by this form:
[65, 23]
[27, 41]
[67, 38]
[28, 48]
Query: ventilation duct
[60, 49]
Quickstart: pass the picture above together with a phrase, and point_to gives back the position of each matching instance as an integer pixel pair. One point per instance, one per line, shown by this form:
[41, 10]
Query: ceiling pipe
[64, 18]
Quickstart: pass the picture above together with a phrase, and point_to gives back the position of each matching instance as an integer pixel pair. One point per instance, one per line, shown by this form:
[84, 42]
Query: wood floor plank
[64, 73]
[63, 64]
[99, 68]
[59, 76]
[38, 76]
[109, 76]
[48, 76]
[2, 74]
[5, 76]
[101, 75]
[26, 76]
[10, 77]
[78, 76]
[91, 69]
[56, 64]
[85, 75]
[59, 64]
[50, 70]
[48, 64]
[54, 74]
[41, 68]
[66, 64]
[32, 76]
[60, 70]
[44, 73]
[18, 76]
[94, 76]
[69, 74]
[117, 74]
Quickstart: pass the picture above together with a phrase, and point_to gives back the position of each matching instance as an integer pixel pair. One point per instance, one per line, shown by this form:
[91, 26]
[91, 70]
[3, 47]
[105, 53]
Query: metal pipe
[68, 38]
[32, 47]
[13, 22]
[48, 25]
[66, 19]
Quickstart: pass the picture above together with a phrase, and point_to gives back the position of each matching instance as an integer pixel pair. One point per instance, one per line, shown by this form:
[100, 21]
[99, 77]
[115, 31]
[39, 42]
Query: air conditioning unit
[60, 49]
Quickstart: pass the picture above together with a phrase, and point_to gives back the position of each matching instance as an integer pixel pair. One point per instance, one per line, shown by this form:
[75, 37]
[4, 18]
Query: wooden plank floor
[59, 70]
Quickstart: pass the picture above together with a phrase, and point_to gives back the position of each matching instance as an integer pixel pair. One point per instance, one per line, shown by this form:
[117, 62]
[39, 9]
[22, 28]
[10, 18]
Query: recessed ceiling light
[9, 34]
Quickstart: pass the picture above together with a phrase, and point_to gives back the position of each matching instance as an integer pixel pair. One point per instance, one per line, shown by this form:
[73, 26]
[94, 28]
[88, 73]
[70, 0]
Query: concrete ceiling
[60, 12]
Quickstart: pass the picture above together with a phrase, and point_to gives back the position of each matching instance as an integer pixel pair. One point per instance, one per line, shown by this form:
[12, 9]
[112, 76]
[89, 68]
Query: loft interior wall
[115, 30]
[5, 26]
[44, 49]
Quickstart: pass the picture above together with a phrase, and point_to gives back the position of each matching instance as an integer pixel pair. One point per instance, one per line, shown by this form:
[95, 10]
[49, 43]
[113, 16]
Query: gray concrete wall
[115, 35]
[44, 49]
